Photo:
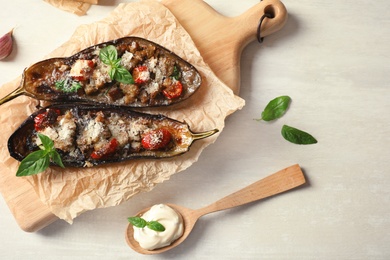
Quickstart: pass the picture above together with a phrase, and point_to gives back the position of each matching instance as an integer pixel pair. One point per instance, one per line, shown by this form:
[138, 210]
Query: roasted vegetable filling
[130, 71]
[94, 135]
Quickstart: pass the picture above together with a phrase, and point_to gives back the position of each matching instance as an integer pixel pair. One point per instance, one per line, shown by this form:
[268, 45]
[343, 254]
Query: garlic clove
[6, 45]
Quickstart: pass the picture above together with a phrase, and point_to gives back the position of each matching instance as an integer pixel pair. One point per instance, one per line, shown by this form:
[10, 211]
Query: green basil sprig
[39, 161]
[297, 136]
[109, 56]
[141, 223]
[276, 108]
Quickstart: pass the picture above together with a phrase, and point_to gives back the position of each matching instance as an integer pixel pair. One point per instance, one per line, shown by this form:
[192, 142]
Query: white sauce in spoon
[169, 218]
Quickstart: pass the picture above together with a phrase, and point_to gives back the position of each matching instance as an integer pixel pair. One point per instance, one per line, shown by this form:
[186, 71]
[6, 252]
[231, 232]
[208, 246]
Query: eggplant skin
[79, 132]
[161, 78]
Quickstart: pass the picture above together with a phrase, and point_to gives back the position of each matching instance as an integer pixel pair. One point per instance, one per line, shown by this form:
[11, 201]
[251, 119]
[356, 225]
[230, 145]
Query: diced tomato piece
[45, 119]
[79, 78]
[174, 90]
[107, 149]
[156, 139]
[81, 69]
[141, 74]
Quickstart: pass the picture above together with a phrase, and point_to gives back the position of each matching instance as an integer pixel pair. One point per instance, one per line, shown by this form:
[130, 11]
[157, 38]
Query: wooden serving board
[219, 39]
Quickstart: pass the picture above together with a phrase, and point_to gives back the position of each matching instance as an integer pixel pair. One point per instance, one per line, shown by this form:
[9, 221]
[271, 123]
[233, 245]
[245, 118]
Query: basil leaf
[297, 136]
[112, 72]
[275, 108]
[108, 55]
[156, 226]
[46, 142]
[116, 63]
[55, 156]
[123, 75]
[137, 222]
[33, 163]
[141, 223]
[39, 161]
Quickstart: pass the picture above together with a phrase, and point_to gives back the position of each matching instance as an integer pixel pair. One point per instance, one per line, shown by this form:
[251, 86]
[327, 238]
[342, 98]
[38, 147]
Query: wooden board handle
[221, 39]
[248, 22]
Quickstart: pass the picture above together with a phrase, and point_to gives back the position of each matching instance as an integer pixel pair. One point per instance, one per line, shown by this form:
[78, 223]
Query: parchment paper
[72, 191]
[78, 7]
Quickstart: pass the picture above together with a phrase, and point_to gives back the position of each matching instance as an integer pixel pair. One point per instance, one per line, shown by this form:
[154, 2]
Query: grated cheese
[126, 60]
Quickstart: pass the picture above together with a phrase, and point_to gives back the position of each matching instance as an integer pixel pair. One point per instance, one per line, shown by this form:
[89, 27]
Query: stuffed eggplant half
[129, 71]
[87, 135]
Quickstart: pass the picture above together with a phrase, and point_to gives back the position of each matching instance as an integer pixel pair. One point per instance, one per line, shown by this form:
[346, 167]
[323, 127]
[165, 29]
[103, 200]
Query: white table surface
[333, 59]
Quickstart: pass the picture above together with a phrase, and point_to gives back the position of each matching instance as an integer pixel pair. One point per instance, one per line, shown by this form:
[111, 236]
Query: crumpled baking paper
[78, 7]
[72, 191]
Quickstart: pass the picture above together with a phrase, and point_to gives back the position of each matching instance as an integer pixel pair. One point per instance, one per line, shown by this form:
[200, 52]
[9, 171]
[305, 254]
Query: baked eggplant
[129, 71]
[89, 135]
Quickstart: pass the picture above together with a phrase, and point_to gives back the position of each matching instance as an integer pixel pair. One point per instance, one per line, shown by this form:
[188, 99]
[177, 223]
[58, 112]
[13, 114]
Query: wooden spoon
[278, 182]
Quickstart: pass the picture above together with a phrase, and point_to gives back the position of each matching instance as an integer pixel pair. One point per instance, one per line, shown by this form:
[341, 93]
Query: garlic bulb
[6, 44]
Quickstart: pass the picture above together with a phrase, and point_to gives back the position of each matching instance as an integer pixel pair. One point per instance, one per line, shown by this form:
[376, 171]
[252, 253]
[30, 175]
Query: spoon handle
[278, 182]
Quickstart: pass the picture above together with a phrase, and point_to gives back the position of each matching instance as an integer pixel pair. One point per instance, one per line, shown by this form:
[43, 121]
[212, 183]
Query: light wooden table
[332, 59]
